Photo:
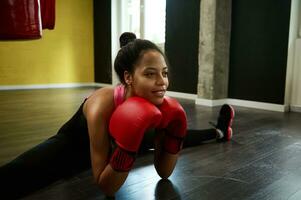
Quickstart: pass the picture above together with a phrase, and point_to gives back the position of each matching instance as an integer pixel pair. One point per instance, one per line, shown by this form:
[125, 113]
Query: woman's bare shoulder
[101, 101]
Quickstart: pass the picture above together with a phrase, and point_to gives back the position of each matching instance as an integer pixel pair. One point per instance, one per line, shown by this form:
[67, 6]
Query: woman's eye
[165, 74]
[149, 74]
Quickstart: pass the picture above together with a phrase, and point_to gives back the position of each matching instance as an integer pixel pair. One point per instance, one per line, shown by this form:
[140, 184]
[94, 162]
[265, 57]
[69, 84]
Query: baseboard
[50, 86]
[210, 103]
[259, 105]
[243, 103]
[181, 95]
[198, 101]
[295, 108]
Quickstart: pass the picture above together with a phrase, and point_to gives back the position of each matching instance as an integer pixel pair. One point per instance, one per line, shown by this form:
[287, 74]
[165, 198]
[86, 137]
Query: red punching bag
[47, 13]
[20, 19]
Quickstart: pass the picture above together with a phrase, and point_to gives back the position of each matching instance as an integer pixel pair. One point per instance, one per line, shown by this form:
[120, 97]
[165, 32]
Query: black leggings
[63, 155]
[60, 156]
[194, 138]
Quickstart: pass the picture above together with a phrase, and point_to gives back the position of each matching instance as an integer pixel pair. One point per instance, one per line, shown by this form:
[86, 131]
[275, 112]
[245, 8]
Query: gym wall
[182, 44]
[258, 53]
[102, 41]
[259, 46]
[62, 55]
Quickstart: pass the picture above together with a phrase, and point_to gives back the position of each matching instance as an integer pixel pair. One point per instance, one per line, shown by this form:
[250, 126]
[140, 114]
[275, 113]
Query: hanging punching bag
[20, 19]
[47, 13]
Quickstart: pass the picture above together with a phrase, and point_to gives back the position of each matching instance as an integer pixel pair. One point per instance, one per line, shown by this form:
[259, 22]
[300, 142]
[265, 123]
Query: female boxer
[108, 129]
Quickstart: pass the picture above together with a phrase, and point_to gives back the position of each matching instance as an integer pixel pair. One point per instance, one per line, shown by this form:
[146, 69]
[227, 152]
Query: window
[145, 18]
[154, 20]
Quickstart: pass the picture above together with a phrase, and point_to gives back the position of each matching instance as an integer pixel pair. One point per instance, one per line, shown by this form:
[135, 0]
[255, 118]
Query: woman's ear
[128, 78]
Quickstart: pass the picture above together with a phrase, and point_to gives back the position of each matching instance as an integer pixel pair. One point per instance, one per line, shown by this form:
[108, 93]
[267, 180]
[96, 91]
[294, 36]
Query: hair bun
[126, 38]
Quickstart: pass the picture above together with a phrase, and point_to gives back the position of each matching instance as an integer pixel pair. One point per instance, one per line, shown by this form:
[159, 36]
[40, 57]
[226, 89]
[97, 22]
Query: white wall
[293, 79]
[115, 10]
[296, 79]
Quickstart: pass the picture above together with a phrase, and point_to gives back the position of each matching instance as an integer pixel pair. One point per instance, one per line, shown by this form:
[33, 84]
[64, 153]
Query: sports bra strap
[119, 94]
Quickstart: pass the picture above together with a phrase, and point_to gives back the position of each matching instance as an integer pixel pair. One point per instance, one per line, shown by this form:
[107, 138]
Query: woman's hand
[128, 124]
[174, 123]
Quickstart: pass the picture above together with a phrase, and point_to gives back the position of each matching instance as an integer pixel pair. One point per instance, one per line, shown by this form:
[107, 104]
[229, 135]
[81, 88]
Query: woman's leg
[39, 167]
[222, 130]
[33, 169]
[60, 156]
[196, 137]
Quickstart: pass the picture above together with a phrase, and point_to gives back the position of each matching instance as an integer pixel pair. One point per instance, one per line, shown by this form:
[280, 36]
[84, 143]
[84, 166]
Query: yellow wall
[62, 55]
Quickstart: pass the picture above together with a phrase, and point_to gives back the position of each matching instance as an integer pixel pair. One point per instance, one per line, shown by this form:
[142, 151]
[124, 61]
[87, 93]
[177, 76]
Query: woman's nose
[160, 80]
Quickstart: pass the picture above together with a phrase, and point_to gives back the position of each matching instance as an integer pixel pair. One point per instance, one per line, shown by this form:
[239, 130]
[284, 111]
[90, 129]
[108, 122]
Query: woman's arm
[164, 162]
[98, 109]
[171, 133]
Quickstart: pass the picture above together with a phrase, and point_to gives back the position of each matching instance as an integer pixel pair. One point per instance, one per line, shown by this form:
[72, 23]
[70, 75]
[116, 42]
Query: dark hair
[125, 38]
[130, 54]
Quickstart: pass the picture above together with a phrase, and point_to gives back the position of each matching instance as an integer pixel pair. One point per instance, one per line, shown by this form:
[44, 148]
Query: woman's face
[149, 79]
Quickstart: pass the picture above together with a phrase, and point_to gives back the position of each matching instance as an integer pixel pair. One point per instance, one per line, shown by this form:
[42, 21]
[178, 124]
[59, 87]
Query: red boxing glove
[128, 124]
[174, 122]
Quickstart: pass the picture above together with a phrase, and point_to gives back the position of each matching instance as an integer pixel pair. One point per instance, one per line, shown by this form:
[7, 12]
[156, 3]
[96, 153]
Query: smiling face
[149, 79]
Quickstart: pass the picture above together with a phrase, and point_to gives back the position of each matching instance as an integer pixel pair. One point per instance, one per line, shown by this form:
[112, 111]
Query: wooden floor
[263, 161]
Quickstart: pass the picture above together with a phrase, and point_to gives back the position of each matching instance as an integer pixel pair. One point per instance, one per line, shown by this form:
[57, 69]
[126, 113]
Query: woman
[107, 130]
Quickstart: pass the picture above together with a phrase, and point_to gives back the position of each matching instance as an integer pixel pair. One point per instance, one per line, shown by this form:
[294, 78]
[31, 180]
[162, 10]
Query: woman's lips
[159, 93]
